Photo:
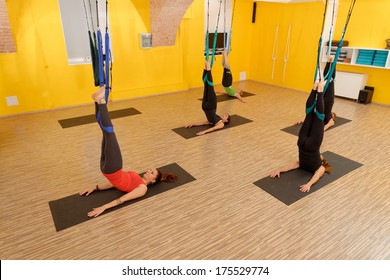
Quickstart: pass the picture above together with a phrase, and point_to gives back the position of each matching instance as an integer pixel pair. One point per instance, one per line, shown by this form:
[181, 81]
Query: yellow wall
[368, 28]
[240, 58]
[305, 31]
[39, 74]
[192, 36]
[143, 10]
[191, 32]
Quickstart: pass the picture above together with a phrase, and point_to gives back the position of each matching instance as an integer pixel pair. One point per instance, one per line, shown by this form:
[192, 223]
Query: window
[78, 18]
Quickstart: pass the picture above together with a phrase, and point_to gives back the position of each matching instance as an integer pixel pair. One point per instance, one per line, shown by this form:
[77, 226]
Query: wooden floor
[221, 215]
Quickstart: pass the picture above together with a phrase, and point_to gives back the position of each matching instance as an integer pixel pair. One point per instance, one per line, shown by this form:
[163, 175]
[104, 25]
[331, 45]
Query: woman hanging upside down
[111, 164]
[310, 140]
[209, 105]
[227, 79]
[330, 117]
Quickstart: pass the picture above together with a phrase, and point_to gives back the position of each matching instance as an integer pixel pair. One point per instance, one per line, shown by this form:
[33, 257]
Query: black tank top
[212, 117]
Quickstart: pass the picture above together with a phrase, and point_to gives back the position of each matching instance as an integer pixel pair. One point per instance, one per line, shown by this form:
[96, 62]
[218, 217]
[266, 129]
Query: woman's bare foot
[99, 96]
[321, 86]
[238, 95]
[207, 65]
[329, 124]
[334, 116]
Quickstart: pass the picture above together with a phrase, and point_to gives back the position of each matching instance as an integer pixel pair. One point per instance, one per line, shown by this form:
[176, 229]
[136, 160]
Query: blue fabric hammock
[104, 62]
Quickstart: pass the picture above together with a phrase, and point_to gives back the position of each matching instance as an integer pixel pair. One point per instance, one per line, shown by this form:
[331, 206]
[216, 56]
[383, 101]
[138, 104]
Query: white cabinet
[348, 84]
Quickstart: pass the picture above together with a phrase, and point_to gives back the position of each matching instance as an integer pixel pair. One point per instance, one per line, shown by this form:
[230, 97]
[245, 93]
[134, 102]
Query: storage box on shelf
[377, 58]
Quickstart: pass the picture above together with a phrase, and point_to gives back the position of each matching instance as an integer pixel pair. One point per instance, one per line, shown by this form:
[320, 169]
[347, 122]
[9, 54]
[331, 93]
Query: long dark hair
[328, 167]
[165, 177]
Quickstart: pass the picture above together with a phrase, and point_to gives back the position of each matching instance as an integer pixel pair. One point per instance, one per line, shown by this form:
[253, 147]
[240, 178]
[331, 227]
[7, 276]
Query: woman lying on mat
[330, 117]
[111, 164]
[209, 105]
[310, 140]
[227, 80]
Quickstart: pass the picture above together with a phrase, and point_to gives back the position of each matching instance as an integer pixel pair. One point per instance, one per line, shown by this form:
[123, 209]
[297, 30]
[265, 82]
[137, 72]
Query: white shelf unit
[348, 84]
[380, 58]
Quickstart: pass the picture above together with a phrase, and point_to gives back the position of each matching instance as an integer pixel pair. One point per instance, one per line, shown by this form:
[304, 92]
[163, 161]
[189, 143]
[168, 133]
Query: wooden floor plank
[222, 214]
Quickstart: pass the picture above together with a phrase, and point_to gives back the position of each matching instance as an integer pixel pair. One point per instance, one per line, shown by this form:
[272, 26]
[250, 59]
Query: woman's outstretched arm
[286, 168]
[317, 175]
[197, 124]
[219, 125]
[95, 188]
[136, 193]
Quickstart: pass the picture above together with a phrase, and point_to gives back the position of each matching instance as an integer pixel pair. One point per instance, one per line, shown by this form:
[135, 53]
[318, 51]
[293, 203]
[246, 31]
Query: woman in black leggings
[330, 116]
[310, 140]
[227, 79]
[209, 105]
[111, 164]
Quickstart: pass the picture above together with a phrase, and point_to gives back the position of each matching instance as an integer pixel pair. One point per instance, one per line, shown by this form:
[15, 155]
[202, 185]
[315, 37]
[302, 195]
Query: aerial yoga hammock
[339, 46]
[227, 78]
[101, 63]
[207, 48]
[228, 41]
[92, 45]
[330, 69]
[209, 100]
[105, 67]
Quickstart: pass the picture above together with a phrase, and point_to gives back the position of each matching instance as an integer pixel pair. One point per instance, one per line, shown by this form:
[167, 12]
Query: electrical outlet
[242, 76]
[12, 100]
[145, 40]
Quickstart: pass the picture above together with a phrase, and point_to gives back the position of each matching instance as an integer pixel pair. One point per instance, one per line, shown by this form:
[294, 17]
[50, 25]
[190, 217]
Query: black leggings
[312, 130]
[209, 101]
[328, 102]
[111, 157]
[329, 94]
[227, 78]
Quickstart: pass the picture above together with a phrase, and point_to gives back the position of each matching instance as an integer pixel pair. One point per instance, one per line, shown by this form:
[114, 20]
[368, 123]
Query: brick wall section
[165, 18]
[7, 43]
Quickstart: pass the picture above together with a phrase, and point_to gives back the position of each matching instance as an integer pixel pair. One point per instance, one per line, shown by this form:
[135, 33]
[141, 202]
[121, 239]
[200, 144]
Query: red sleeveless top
[124, 181]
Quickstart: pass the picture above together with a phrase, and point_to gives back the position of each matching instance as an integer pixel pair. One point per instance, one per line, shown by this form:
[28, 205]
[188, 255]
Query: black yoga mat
[73, 209]
[225, 97]
[188, 133]
[65, 123]
[286, 188]
[294, 129]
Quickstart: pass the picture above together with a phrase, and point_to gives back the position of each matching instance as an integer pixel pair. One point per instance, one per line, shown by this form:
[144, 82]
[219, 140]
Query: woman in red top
[111, 164]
